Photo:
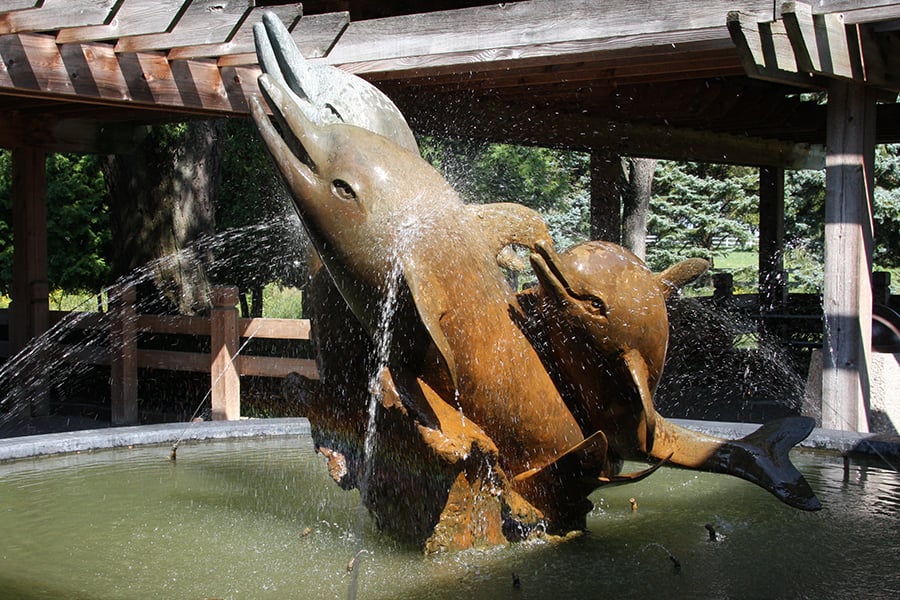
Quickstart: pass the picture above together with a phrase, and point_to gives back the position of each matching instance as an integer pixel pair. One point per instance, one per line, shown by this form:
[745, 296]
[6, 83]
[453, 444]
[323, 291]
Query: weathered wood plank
[515, 24]
[174, 324]
[134, 17]
[242, 41]
[313, 34]
[583, 131]
[203, 22]
[881, 58]
[225, 381]
[57, 14]
[9, 6]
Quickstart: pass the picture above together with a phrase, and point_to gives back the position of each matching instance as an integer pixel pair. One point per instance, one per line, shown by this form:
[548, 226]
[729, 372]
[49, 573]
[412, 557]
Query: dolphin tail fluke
[763, 458]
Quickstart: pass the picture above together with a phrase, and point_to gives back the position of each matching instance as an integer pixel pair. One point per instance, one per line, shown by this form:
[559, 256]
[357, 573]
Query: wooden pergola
[717, 81]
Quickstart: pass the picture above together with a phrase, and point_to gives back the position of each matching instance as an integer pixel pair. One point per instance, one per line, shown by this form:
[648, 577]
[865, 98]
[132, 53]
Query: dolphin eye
[596, 305]
[343, 190]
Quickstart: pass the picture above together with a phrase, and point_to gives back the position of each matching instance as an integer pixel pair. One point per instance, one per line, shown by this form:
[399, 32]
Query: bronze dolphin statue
[603, 315]
[373, 208]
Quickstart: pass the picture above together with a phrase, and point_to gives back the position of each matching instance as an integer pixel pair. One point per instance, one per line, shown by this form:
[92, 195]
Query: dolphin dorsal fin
[680, 274]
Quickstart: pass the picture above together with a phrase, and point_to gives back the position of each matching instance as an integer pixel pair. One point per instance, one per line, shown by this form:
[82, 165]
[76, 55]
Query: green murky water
[262, 519]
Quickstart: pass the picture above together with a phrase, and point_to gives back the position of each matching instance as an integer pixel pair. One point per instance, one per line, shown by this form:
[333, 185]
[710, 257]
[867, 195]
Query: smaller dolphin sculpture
[602, 314]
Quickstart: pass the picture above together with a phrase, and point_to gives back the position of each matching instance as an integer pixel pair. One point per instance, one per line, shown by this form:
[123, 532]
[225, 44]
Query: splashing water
[60, 361]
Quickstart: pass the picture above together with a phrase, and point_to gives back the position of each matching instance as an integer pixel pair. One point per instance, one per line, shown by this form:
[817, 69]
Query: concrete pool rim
[28, 446]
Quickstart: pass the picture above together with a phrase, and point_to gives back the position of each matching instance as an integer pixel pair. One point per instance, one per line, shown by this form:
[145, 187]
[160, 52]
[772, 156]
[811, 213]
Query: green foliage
[887, 206]
[78, 232]
[554, 182]
[262, 240]
[701, 210]
[805, 219]
[540, 178]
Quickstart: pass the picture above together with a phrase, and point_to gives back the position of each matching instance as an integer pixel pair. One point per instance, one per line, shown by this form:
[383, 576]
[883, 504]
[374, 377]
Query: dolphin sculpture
[374, 210]
[603, 315]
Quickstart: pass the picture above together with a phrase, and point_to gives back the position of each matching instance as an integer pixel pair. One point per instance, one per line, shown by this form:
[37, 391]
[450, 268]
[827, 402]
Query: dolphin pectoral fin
[763, 458]
[640, 376]
[589, 455]
[508, 223]
[631, 477]
[430, 304]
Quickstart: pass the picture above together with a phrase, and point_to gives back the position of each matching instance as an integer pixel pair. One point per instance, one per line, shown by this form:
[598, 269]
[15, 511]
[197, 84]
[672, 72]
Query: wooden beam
[51, 15]
[847, 299]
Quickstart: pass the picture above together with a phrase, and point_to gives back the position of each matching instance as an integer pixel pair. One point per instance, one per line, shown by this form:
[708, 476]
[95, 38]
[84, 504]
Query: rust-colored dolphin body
[603, 313]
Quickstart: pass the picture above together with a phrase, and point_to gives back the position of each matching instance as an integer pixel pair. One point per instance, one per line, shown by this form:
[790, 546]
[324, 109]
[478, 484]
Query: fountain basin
[251, 512]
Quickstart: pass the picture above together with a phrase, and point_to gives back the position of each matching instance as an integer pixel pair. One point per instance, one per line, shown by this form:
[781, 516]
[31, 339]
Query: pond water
[261, 519]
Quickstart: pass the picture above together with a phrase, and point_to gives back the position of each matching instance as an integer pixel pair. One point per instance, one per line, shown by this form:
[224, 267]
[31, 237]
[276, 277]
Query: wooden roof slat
[96, 73]
[56, 14]
[314, 36]
[242, 42]
[203, 22]
[134, 17]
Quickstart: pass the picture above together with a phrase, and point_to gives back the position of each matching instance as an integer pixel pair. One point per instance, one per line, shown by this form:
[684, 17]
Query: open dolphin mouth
[545, 266]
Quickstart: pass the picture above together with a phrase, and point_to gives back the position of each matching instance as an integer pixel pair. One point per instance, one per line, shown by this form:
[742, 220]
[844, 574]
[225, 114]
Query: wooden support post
[772, 284]
[606, 205]
[30, 308]
[224, 342]
[123, 357]
[848, 255]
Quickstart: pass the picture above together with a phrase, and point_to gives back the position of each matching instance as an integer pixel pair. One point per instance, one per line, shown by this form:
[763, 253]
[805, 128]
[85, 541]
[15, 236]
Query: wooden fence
[224, 362]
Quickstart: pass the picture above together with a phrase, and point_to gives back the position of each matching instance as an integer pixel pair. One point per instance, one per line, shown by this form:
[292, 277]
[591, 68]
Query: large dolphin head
[611, 300]
[361, 197]
[326, 94]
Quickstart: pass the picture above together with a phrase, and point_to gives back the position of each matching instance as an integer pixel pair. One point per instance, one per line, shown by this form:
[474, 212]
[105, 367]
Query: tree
[78, 233]
[701, 209]
[162, 212]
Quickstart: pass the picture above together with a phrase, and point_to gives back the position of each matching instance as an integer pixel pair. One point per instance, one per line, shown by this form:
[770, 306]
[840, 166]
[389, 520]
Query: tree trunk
[636, 203]
[161, 213]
